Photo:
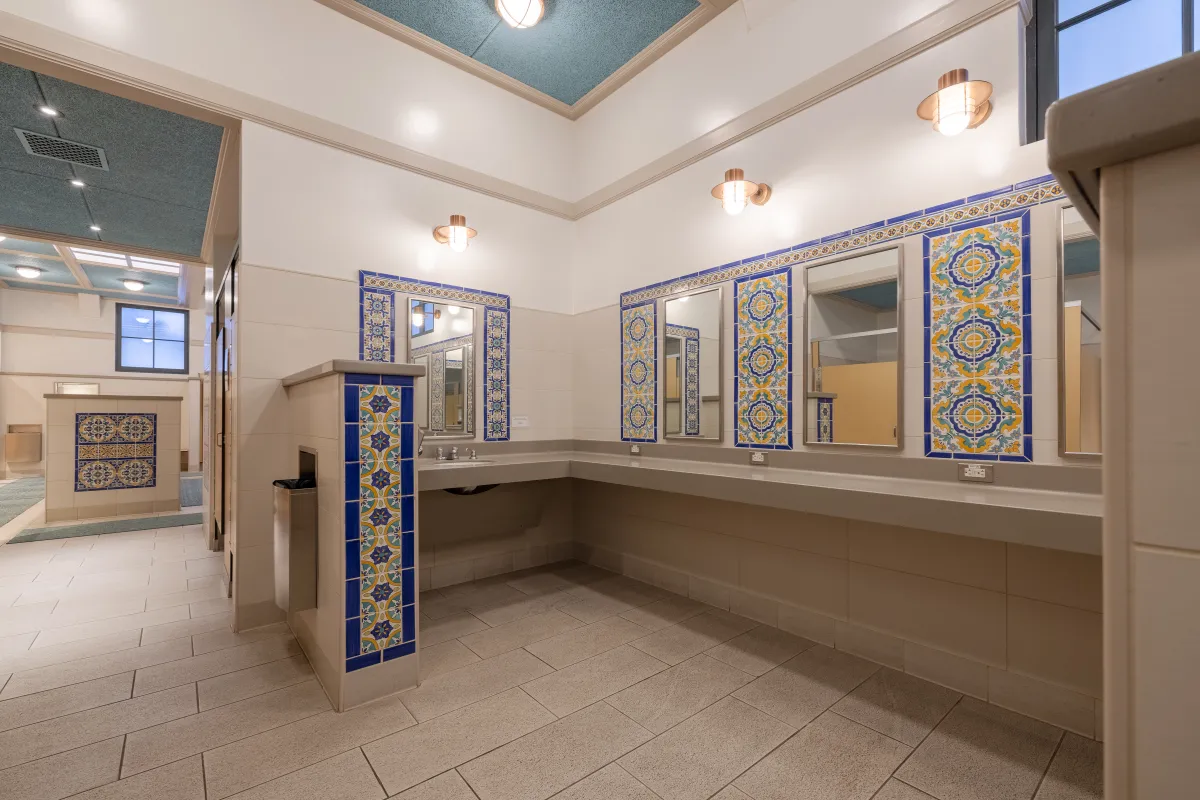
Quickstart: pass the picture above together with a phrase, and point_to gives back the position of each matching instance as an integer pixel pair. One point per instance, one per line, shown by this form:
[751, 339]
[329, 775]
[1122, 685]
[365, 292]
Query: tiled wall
[639, 373]
[689, 338]
[762, 343]
[1019, 626]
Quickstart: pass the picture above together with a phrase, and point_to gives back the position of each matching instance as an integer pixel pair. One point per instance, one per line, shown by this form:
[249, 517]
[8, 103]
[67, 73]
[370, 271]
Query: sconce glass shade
[736, 191]
[958, 104]
[521, 13]
[456, 234]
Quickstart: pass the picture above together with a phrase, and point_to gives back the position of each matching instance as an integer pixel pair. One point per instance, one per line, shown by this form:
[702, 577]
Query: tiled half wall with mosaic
[762, 400]
[978, 392]
[377, 336]
[115, 451]
[380, 519]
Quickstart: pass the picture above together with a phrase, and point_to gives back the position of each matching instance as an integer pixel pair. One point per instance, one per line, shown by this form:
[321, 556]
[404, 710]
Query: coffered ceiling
[74, 269]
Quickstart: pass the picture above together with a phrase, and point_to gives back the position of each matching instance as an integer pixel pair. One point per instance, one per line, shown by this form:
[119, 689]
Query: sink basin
[459, 463]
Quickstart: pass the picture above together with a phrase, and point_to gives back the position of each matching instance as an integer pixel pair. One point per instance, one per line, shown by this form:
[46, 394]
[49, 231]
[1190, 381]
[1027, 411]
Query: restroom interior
[495, 452]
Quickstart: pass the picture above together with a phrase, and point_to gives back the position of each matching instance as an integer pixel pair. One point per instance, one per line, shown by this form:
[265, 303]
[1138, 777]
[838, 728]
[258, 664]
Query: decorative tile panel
[442, 346]
[978, 393]
[377, 336]
[115, 451]
[437, 391]
[825, 420]
[762, 355]
[690, 339]
[639, 381]
[380, 519]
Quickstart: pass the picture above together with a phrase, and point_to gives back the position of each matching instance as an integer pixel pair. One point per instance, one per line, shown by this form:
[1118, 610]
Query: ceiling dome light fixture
[95, 228]
[736, 191]
[959, 103]
[456, 234]
[29, 272]
[521, 13]
[49, 111]
[134, 285]
[77, 182]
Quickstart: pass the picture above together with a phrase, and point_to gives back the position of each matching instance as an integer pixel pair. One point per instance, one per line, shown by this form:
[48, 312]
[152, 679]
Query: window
[1079, 44]
[151, 339]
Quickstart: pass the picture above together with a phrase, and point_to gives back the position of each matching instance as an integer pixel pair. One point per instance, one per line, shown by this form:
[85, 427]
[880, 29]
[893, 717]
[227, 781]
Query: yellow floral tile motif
[115, 451]
[639, 383]
[763, 329]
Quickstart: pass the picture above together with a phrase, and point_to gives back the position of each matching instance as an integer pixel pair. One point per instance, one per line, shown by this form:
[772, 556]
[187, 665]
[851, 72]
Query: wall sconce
[736, 191]
[958, 104]
[456, 234]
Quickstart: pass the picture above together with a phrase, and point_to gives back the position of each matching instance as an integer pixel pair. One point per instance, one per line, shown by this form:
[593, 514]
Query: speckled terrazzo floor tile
[39, 679]
[610, 783]
[472, 683]
[224, 638]
[897, 790]
[831, 759]
[64, 774]
[1077, 771]
[505, 611]
[220, 662]
[519, 633]
[699, 756]
[64, 700]
[693, 636]
[417, 754]
[898, 705]
[552, 758]
[447, 786]
[581, 684]
[87, 648]
[665, 612]
[677, 693]
[581, 643]
[449, 627]
[343, 777]
[225, 689]
[182, 780]
[799, 690]
[760, 650]
[981, 752]
[445, 657]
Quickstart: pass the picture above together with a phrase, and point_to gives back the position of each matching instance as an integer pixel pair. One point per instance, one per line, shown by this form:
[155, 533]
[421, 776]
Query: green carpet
[19, 496]
[191, 490]
[106, 526]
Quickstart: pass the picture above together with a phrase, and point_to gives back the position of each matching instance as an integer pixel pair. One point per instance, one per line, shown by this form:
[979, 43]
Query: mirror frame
[1060, 348]
[662, 370]
[476, 363]
[806, 356]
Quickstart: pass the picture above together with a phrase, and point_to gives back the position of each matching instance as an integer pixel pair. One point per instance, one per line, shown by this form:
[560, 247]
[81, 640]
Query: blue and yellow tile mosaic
[825, 420]
[639, 381]
[496, 374]
[689, 337]
[115, 451]
[762, 357]
[978, 392]
[380, 519]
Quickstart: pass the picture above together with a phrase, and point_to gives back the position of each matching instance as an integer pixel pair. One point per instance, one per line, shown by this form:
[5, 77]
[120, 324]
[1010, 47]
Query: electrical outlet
[635, 449]
[758, 459]
[976, 473]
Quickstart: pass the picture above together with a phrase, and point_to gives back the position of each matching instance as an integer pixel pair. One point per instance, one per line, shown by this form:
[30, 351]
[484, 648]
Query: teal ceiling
[574, 48]
[161, 167]
[86, 278]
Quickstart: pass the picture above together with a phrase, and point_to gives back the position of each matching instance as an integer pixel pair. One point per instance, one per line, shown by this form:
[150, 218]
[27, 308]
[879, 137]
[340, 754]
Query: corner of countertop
[360, 367]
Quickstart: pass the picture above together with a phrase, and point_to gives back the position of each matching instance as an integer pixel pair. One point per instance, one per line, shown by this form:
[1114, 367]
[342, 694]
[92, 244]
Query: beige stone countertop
[110, 397]
[360, 367]
[1058, 520]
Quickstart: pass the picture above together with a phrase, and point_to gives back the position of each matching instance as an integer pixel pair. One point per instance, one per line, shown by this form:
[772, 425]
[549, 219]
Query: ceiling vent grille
[83, 155]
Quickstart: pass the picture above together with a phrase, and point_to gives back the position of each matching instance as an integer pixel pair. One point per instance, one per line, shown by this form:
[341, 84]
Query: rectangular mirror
[854, 374]
[692, 347]
[441, 337]
[1079, 338]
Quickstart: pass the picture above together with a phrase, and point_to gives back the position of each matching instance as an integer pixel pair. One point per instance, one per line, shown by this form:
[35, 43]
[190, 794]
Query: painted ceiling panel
[110, 279]
[574, 48]
[28, 247]
[53, 270]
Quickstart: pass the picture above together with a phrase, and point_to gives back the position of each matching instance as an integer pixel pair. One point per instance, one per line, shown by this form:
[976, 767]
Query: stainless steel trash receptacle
[295, 545]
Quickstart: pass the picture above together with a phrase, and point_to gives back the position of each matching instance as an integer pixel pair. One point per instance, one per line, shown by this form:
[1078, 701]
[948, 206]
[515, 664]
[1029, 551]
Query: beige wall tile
[948, 616]
[808, 624]
[959, 559]
[754, 606]
[714, 594]
[1056, 643]
[799, 578]
[967, 676]
[871, 645]
[1041, 700]
[1056, 576]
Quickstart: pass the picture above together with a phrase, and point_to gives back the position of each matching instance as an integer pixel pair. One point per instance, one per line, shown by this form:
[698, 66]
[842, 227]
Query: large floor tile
[540, 583]
[417, 754]
[187, 628]
[472, 683]
[675, 694]
[234, 686]
[800, 689]
[190, 670]
[242, 765]
[504, 611]
[579, 685]
[590, 640]
[831, 759]
[58, 735]
[898, 790]
[449, 627]
[224, 638]
[665, 612]
[693, 636]
[65, 700]
[447, 786]
[45, 656]
[445, 657]
[898, 705]
[88, 630]
[343, 777]
[12, 645]
[696, 758]
[760, 650]
[610, 783]
[64, 774]
[524, 631]
[552, 758]
[981, 752]
[182, 780]
[1077, 771]
[163, 744]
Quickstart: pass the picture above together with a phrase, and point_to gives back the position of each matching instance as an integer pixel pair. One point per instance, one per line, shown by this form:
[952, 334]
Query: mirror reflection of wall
[853, 391]
[1081, 324]
[692, 367]
[441, 337]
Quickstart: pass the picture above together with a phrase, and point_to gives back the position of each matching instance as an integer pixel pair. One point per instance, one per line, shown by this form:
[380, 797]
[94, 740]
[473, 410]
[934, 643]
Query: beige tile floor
[119, 679]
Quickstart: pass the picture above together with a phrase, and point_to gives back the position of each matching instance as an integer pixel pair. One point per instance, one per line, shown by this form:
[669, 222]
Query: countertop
[1058, 520]
[359, 367]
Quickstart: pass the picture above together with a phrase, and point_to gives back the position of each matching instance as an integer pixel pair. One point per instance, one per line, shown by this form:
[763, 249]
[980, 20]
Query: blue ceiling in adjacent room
[161, 167]
[62, 270]
[573, 49]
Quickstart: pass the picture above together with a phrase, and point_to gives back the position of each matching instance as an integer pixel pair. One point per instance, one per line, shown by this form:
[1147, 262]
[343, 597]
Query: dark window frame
[1042, 53]
[155, 370]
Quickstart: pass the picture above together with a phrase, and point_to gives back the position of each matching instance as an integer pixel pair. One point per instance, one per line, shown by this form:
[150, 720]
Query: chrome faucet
[420, 440]
[453, 454]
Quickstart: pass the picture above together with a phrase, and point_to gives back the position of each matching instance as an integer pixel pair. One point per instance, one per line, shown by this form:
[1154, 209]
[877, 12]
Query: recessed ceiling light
[29, 272]
[133, 286]
[77, 182]
[48, 111]
[96, 228]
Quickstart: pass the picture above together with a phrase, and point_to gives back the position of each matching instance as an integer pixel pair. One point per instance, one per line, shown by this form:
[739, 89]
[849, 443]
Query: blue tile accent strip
[380, 487]
[115, 451]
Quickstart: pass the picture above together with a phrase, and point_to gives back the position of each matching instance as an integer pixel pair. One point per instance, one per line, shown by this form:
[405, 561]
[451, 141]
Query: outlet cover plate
[758, 458]
[976, 473]
[635, 449]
